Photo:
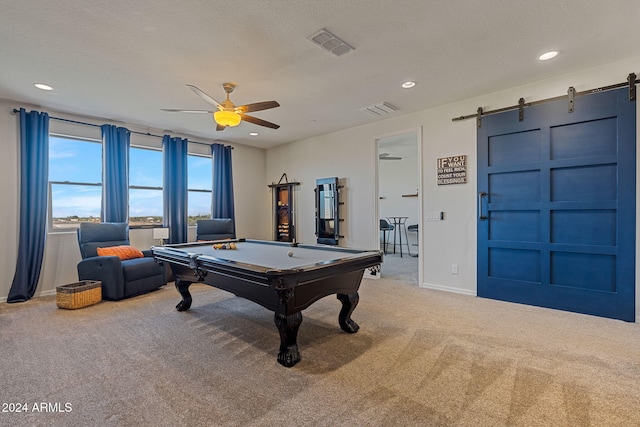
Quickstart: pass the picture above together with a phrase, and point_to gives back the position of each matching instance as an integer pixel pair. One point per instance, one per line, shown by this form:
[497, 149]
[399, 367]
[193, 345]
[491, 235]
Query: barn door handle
[481, 195]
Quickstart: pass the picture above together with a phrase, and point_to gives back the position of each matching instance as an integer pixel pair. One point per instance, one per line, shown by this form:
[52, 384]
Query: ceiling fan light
[227, 118]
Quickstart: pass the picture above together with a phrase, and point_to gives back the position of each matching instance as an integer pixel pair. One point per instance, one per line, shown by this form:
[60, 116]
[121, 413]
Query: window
[75, 184]
[145, 187]
[75, 181]
[200, 171]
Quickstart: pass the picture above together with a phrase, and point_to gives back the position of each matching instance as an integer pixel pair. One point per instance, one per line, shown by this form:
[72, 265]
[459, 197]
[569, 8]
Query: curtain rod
[631, 82]
[132, 131]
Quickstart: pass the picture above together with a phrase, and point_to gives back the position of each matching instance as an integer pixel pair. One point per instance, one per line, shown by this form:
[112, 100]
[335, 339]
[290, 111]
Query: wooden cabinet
[283, 211]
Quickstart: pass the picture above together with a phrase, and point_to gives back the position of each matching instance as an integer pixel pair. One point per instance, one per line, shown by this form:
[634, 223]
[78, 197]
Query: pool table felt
[274, 256]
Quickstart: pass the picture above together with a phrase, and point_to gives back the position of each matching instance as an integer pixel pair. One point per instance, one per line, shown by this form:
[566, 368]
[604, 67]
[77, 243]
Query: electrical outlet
[454, 268]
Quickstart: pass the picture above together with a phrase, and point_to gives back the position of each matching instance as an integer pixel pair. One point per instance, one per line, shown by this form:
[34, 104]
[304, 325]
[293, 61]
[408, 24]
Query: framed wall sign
[452, 170]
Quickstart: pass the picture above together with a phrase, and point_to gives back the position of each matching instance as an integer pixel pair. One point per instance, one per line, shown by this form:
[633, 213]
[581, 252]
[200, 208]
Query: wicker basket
[79, 294]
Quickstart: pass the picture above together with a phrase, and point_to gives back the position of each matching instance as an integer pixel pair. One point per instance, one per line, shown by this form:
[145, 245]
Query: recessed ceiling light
[253, 133]
[408, 85]
[43, 86]
[548, 55]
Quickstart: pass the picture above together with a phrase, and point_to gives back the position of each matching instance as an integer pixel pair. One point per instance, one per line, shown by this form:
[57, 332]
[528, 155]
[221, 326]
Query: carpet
[421, 358]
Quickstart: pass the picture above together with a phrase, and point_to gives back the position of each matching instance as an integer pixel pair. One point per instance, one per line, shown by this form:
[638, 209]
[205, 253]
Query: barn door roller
[572, 93]
[521, 109]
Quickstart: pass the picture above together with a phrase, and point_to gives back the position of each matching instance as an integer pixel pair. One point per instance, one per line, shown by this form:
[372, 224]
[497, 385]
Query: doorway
[399, 205]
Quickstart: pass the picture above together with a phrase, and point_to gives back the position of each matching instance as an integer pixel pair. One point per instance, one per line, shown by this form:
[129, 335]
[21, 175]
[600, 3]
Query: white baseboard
[448, 289]
[47, 293]
[39, 294]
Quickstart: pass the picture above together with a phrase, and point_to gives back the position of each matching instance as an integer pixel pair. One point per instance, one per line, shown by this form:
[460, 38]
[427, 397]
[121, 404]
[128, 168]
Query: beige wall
[9, 195]
[61, 251]
[346, 155]
[351, 154]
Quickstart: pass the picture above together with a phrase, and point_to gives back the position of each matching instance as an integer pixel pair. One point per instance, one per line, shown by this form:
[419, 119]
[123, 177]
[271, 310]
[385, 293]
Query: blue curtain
[175, 188]
[34, 176]
[222, 204]
[115, 182]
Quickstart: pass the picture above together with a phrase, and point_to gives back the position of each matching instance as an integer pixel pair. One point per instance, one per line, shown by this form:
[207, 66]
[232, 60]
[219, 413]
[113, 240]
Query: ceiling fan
[387, 156]
[227, 113]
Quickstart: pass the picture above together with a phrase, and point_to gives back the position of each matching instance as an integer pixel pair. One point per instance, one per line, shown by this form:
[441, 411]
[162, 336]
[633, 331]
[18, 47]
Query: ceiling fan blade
[203, 95]
[257, 106]
[173, 110]
[257, 121]
[220, 127]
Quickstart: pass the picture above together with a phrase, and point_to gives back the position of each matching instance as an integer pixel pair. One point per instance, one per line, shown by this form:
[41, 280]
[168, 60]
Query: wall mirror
[327, 211]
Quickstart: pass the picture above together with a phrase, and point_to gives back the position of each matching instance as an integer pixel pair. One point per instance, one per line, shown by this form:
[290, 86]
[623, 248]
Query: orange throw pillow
[122, 252]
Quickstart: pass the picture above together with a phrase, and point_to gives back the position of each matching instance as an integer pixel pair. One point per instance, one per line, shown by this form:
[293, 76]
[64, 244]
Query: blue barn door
[556, 205]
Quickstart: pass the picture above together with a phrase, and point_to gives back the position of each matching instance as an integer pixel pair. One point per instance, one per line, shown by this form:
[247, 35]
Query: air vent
[329, 42]
[378, 110]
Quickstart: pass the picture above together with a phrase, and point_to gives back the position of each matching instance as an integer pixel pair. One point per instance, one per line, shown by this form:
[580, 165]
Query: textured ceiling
[125, 60]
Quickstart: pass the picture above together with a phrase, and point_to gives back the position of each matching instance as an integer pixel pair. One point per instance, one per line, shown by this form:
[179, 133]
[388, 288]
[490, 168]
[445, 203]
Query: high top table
[399, 224]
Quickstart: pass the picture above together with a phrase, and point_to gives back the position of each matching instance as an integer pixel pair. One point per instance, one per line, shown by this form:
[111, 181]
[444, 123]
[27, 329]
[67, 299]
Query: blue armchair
[120, 278]
[215, 229]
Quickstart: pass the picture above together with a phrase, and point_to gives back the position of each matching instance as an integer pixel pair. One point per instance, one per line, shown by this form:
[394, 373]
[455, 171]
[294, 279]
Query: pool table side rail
[310, 246]
[272, 243]
[176, 254]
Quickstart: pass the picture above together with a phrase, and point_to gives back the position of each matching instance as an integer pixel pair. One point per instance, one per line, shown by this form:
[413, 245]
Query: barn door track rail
[571, 95]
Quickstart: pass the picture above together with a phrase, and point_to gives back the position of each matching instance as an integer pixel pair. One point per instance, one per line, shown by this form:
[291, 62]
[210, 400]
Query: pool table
[285, 278]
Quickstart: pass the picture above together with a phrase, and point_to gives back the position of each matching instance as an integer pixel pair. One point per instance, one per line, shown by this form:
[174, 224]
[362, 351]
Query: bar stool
[413, 228]
[385, 227]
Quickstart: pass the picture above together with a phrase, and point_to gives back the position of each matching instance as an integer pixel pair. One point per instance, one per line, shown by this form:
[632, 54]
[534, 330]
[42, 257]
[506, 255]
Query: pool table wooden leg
[288, 327]
[183, 287]
[349, 303]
